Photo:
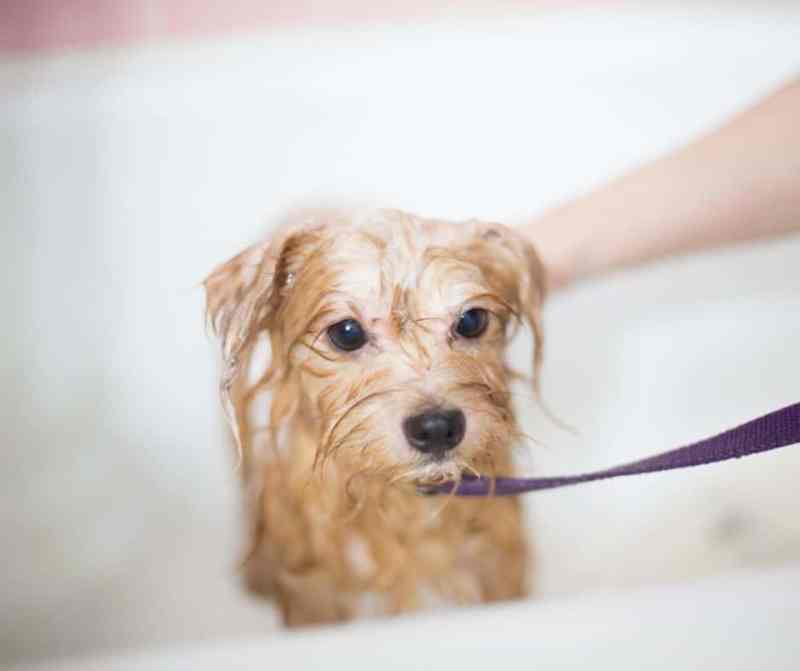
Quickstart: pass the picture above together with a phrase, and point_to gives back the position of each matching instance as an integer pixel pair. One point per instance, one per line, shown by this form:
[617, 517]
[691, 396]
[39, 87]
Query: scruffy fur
[339, 528]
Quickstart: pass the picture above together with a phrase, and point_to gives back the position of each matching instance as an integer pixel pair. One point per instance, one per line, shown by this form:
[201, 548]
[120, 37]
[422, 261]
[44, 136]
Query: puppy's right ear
[243, 297]
[239, 304]
[238, 297]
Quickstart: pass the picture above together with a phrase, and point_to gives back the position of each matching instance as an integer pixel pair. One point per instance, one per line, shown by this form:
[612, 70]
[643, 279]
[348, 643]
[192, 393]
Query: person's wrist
[558, 242]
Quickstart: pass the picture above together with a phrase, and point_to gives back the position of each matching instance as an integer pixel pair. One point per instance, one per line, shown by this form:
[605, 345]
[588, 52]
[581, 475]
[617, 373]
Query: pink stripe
[35, 25]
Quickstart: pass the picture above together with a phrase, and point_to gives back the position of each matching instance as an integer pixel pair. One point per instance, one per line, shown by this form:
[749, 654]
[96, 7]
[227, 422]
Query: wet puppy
[363, 355]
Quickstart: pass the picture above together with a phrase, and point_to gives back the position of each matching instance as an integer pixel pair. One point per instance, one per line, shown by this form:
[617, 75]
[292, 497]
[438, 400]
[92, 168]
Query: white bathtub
[127, 174]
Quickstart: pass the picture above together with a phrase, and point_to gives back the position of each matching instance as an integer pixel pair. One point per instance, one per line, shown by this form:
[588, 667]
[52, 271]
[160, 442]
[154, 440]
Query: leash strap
[776, 429]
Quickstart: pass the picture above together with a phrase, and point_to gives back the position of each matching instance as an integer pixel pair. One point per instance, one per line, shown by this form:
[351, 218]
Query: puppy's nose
[435, 431]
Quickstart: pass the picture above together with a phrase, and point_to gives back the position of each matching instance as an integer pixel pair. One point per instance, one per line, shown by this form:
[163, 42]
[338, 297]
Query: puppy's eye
[347, 335]
[472, 323]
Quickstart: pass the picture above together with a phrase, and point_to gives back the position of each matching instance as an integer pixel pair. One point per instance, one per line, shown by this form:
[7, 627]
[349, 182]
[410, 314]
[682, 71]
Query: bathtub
[128, 173]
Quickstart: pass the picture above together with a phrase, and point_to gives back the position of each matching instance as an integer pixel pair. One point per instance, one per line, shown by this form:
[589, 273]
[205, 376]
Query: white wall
[126, 175]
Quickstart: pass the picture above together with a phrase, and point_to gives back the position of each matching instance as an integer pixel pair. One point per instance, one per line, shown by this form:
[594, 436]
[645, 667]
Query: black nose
[435, 431]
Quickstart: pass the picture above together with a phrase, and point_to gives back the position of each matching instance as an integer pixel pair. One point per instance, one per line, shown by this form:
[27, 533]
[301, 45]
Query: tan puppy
[364, 354]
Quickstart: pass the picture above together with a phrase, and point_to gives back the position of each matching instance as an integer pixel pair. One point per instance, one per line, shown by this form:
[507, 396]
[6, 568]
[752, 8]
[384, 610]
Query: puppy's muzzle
[435, 432]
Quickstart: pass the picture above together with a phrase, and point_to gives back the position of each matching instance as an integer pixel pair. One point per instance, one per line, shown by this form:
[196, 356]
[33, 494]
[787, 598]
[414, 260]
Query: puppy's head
[386, 339]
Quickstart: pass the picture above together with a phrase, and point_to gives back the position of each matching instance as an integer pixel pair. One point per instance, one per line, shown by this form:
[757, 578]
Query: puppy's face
[387, 335]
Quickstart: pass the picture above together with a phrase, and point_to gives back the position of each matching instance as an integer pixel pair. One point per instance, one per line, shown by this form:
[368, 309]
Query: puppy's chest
[432, 561]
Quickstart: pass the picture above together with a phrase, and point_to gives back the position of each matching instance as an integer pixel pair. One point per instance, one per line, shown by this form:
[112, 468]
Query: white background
[125, 175]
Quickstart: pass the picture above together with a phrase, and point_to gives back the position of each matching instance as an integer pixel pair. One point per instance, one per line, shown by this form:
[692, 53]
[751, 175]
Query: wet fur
[338, 527]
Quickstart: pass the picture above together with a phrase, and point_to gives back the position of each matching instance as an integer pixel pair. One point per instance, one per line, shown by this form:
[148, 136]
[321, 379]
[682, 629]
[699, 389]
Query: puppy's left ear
[519, 271]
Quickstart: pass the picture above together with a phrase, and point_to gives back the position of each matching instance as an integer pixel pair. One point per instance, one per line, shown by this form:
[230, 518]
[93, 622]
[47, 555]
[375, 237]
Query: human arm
[738, 183]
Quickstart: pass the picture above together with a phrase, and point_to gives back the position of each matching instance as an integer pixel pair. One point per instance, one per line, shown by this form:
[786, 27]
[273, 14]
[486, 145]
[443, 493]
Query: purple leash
[776, 429]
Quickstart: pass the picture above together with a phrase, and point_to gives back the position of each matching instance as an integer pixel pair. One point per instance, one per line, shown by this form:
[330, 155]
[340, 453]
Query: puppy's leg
[503, 558]
[296, 557]
[303, 596]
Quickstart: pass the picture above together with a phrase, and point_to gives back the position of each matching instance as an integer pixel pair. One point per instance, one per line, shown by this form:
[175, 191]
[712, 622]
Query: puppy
[363, 356]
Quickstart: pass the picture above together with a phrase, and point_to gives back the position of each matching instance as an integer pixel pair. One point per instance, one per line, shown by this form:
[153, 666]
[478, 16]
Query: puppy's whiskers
[327, 440]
